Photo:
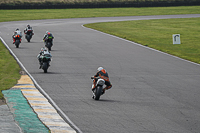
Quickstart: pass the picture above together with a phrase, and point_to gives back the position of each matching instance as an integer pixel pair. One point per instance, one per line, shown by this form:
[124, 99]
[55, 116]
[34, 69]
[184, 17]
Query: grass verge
[9, 69]
[157, 34]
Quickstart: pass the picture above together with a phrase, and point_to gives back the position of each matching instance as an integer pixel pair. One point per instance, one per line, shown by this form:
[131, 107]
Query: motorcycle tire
[45, 67]
[17, 43]
[49, 46]
[28, 37]
[98, 92]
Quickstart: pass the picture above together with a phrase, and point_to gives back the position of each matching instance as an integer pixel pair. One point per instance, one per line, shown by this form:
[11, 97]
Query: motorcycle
[48, 43]
[45, 61]
[98, 90]
[29, 35]
[17, 40]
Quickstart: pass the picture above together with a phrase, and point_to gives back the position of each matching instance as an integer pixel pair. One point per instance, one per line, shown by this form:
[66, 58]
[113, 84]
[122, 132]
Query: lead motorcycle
[45, 61]
[98, 90]
[29, 35]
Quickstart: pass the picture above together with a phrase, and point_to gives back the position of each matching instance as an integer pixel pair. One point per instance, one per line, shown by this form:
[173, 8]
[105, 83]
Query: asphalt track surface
[152, 92]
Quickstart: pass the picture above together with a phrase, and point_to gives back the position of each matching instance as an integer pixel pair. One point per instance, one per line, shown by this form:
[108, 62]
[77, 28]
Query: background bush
[49, 4]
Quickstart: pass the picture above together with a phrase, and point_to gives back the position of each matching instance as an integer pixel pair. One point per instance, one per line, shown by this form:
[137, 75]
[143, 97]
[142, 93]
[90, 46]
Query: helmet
[99, 68]
[17, 29]
[43, 49]
[47, 32]
[28, 25]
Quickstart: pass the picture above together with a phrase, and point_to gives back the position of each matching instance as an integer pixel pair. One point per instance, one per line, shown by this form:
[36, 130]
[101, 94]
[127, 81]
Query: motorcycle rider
[28, 28]
[43, 52]
[17, 32]
[47, 36]
[101, 72]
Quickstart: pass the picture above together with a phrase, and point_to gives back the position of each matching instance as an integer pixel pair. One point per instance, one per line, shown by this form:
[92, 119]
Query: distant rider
[101, 72]
[48, 37]
[28, 29]
[15, 34]
[44, 52]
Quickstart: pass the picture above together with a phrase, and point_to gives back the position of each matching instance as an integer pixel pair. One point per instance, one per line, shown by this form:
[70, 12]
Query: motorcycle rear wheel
[17, 43]
[98, 92]
[49, 45]
[28, 39]
[45, 67]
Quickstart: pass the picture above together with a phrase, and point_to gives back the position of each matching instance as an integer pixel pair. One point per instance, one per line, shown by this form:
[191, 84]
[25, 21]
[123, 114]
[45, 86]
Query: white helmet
[44, 49]
[99, 68]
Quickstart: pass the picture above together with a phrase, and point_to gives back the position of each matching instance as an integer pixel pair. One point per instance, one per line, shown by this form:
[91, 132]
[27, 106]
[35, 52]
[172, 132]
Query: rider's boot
[13, 40]
[106, 88]
[94, 85]
[103, 91]
[40, 65]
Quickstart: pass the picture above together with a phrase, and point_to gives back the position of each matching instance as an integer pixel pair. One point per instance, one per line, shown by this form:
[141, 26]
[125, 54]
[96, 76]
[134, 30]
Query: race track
[152, 92]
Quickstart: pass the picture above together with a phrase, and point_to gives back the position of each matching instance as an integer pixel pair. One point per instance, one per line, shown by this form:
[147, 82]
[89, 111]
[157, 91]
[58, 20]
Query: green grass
[157, 34]
[17, 15]
[9, 70]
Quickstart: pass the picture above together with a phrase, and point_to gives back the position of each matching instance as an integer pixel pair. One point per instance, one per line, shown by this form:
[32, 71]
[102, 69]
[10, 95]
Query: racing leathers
[104, 75]
[44, 52]
[48, 37]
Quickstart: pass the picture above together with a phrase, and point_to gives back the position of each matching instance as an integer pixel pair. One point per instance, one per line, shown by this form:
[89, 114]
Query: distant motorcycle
[48, 43]
[45, 61]
[98, 90]
[17, 40]
[29, 35]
